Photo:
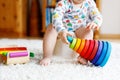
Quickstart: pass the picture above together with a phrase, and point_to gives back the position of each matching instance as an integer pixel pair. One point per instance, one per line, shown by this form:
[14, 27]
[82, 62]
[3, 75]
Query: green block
[32, 54]
[4, 53]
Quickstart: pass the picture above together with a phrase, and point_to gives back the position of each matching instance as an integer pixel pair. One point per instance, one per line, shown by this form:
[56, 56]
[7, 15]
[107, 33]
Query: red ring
[91, 46]
[94, 51]
[85, 49]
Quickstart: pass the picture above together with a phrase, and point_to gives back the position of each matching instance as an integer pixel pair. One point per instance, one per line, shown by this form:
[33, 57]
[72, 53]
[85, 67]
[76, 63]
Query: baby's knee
[89, 35]
[50, 27]
[84, 34]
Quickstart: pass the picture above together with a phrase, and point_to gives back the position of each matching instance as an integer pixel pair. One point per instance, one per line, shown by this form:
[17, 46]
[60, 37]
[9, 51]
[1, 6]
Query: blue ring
[107, 55]
[103, 53]
[98, 52]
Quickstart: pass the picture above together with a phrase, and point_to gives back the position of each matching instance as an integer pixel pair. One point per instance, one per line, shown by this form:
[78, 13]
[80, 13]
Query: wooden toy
[97, 52]
[15, 55]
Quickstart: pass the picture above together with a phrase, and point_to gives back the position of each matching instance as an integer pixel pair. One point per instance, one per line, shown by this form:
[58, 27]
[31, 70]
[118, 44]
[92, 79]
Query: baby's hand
[92, 25]
[63, 35]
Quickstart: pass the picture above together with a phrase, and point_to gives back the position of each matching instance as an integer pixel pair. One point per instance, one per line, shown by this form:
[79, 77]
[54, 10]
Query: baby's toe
[82, 61]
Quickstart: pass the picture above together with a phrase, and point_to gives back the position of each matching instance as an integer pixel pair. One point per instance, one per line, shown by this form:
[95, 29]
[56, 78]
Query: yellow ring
[81, 46]
[77, 44]
[72, 45]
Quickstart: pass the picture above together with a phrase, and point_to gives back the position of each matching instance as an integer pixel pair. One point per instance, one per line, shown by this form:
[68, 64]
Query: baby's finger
[88, 27]
[88, 24]
[69, 34]
[91, 26]
[96, 28]
[64, 39]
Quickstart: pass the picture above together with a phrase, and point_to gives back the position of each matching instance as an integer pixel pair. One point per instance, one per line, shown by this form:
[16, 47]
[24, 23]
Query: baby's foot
[45, 61]
[82, 60]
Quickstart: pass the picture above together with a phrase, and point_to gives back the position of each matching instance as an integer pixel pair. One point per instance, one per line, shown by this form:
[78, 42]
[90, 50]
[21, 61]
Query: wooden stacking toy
[97, 52]
[15, 55]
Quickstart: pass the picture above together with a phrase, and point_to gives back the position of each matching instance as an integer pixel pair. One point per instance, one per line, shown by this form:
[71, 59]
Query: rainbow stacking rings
[97, 52]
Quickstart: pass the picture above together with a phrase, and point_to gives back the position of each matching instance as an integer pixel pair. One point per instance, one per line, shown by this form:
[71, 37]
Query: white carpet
[60, 69]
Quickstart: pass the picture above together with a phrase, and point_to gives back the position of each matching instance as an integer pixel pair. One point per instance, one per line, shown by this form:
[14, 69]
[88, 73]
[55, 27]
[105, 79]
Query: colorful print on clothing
[69, 16]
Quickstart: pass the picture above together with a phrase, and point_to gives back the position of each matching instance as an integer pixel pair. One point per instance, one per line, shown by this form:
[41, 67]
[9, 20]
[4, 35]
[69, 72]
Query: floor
[61, 68]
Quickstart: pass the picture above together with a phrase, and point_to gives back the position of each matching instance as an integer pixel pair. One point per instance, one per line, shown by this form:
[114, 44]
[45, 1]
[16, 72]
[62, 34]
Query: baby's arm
[58, 15]
[95, 16]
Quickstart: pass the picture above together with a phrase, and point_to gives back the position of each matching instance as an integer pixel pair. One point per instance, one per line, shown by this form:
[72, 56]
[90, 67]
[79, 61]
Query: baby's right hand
[92, 25]
[63, 36]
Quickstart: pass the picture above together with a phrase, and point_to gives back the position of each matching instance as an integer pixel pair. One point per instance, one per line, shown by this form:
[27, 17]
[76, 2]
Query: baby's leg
[49, 42]
[83, 33]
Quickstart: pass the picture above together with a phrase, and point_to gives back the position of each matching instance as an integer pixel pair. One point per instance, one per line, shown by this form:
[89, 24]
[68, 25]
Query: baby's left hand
[92, 25]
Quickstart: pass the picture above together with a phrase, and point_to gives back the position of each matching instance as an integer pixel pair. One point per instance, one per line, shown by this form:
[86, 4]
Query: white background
[110, 10]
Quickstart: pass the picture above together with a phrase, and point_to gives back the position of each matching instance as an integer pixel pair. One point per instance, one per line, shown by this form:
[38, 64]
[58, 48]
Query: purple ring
[103, 53]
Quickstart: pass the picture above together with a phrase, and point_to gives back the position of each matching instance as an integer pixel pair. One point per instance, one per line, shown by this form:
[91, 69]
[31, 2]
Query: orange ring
[81, 46]
[72, 45]
[85, 49]
[77, 44]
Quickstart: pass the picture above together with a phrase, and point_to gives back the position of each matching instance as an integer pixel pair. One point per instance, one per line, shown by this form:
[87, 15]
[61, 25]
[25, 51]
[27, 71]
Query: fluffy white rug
[60, 69]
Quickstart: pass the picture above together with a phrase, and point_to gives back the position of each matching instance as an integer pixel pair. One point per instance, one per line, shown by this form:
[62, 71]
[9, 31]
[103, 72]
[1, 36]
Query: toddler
[80, 17]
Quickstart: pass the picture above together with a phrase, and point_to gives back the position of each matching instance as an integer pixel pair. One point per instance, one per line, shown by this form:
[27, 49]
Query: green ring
[72, 45]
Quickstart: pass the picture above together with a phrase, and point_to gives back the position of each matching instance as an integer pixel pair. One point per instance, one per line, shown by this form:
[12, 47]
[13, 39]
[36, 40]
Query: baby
[80, 17]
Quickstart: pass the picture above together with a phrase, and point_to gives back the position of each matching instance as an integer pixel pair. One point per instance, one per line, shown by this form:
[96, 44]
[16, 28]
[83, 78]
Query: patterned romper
[69, 16]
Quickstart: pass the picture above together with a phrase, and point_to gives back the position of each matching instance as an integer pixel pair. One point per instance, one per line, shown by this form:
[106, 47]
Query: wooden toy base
[16, 60]
[20, 60]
